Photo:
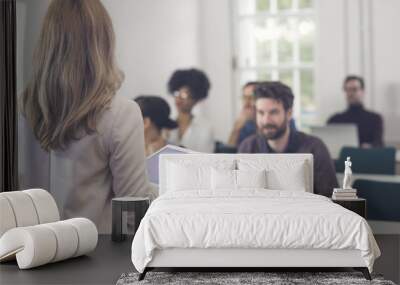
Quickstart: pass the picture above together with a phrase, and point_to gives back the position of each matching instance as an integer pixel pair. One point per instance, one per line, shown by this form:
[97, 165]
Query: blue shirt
[249, 128]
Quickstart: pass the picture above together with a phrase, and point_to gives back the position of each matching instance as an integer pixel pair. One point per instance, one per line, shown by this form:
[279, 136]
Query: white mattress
[256, 218]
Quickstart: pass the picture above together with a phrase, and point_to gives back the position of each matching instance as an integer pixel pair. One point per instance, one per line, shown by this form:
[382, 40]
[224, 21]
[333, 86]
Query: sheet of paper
[152, 160]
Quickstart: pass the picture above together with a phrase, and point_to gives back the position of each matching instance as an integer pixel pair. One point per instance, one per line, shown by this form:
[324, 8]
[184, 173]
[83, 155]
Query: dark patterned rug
[228, 278]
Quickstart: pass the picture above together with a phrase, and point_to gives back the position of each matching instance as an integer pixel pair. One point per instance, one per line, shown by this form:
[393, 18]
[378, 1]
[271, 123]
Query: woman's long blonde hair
[75, 75]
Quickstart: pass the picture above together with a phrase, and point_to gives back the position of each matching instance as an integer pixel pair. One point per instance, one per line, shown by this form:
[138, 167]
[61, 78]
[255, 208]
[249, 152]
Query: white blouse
[198, 136]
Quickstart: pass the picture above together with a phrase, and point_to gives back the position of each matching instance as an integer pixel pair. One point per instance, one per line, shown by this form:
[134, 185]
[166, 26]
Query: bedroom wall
[177, 34]
[33, 162]
[155, 37]
[359, 37]
[386, 62]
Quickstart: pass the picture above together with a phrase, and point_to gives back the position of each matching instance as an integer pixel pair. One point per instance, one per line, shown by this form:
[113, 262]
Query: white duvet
[250, 218]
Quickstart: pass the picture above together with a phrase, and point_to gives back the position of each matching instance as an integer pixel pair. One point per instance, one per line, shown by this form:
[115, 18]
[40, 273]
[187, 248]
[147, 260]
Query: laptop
[336, 136]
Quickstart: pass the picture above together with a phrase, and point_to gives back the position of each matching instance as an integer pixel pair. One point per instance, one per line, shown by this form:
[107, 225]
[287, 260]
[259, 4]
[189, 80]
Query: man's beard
[277, 133]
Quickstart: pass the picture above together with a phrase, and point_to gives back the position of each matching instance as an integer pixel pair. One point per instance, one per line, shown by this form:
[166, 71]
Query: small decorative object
[137, 205]
[347, 174]
[346, 192]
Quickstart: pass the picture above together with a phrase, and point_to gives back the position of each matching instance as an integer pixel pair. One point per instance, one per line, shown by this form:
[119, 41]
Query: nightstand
[138, 205]
[358, 206]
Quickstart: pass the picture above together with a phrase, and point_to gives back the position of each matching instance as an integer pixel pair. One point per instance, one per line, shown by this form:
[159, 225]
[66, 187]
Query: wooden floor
[103, 266]
[389, 262]
[110, 260]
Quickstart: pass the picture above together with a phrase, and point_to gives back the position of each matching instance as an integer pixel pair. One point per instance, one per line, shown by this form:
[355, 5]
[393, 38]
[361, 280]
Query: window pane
[251, 7]
[307, 90]
[306, 40]
[286, 76]
[307, 98]
[255, 41]
[280, 48]
[284, 4]
[246, 76]
[264, 75]
[263, 52]
[262, 5]
[285, 51]
[286, 32]
[257, 38]
[305, 4]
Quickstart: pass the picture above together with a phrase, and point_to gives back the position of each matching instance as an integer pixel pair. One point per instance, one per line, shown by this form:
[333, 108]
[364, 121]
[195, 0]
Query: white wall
[385, 44]
[155, 37]
[215, 57]
[330, 58]
[33, 162]
[359, 37]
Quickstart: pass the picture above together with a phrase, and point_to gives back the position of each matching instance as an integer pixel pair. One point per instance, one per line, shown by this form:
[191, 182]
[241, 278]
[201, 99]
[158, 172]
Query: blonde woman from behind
[94, 135]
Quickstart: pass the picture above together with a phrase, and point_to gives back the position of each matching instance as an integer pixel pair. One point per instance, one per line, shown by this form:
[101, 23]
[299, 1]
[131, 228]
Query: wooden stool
[138, 205]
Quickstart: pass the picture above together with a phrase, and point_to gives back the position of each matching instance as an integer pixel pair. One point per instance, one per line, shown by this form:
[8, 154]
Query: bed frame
[242, 259]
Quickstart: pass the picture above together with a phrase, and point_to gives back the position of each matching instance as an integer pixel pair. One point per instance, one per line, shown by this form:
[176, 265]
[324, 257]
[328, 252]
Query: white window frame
[274, 68]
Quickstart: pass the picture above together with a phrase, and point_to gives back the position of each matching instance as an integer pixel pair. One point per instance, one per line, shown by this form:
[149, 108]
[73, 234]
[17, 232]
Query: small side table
[138, 205]
[358, 206]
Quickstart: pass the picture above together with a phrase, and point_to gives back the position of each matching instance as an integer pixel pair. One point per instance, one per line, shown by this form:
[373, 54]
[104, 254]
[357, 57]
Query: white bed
[199, 225]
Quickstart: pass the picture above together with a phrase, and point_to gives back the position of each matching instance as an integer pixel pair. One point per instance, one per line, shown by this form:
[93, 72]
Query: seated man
[274, 102]
[370, 124]
[245, 124]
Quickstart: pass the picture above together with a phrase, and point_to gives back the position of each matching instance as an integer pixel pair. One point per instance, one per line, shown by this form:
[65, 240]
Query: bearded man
[274, 109]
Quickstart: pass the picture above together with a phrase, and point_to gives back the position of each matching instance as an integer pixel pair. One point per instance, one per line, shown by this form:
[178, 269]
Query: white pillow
[181, 178]
[251, 179]
[223, 179]
[237, 179]
[281, 174]
[189, 175]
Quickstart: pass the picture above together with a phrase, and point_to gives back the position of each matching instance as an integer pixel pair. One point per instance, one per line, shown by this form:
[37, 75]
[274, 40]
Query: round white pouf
[40, 244]
[23, 208]
[87, 233]
[7, 218]
[33, 246]
[46, 207]
[67, 240]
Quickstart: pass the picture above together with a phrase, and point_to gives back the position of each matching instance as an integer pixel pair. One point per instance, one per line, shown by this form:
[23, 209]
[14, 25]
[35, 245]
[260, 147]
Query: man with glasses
[189, 87]
[245, 124]
[370, 124]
